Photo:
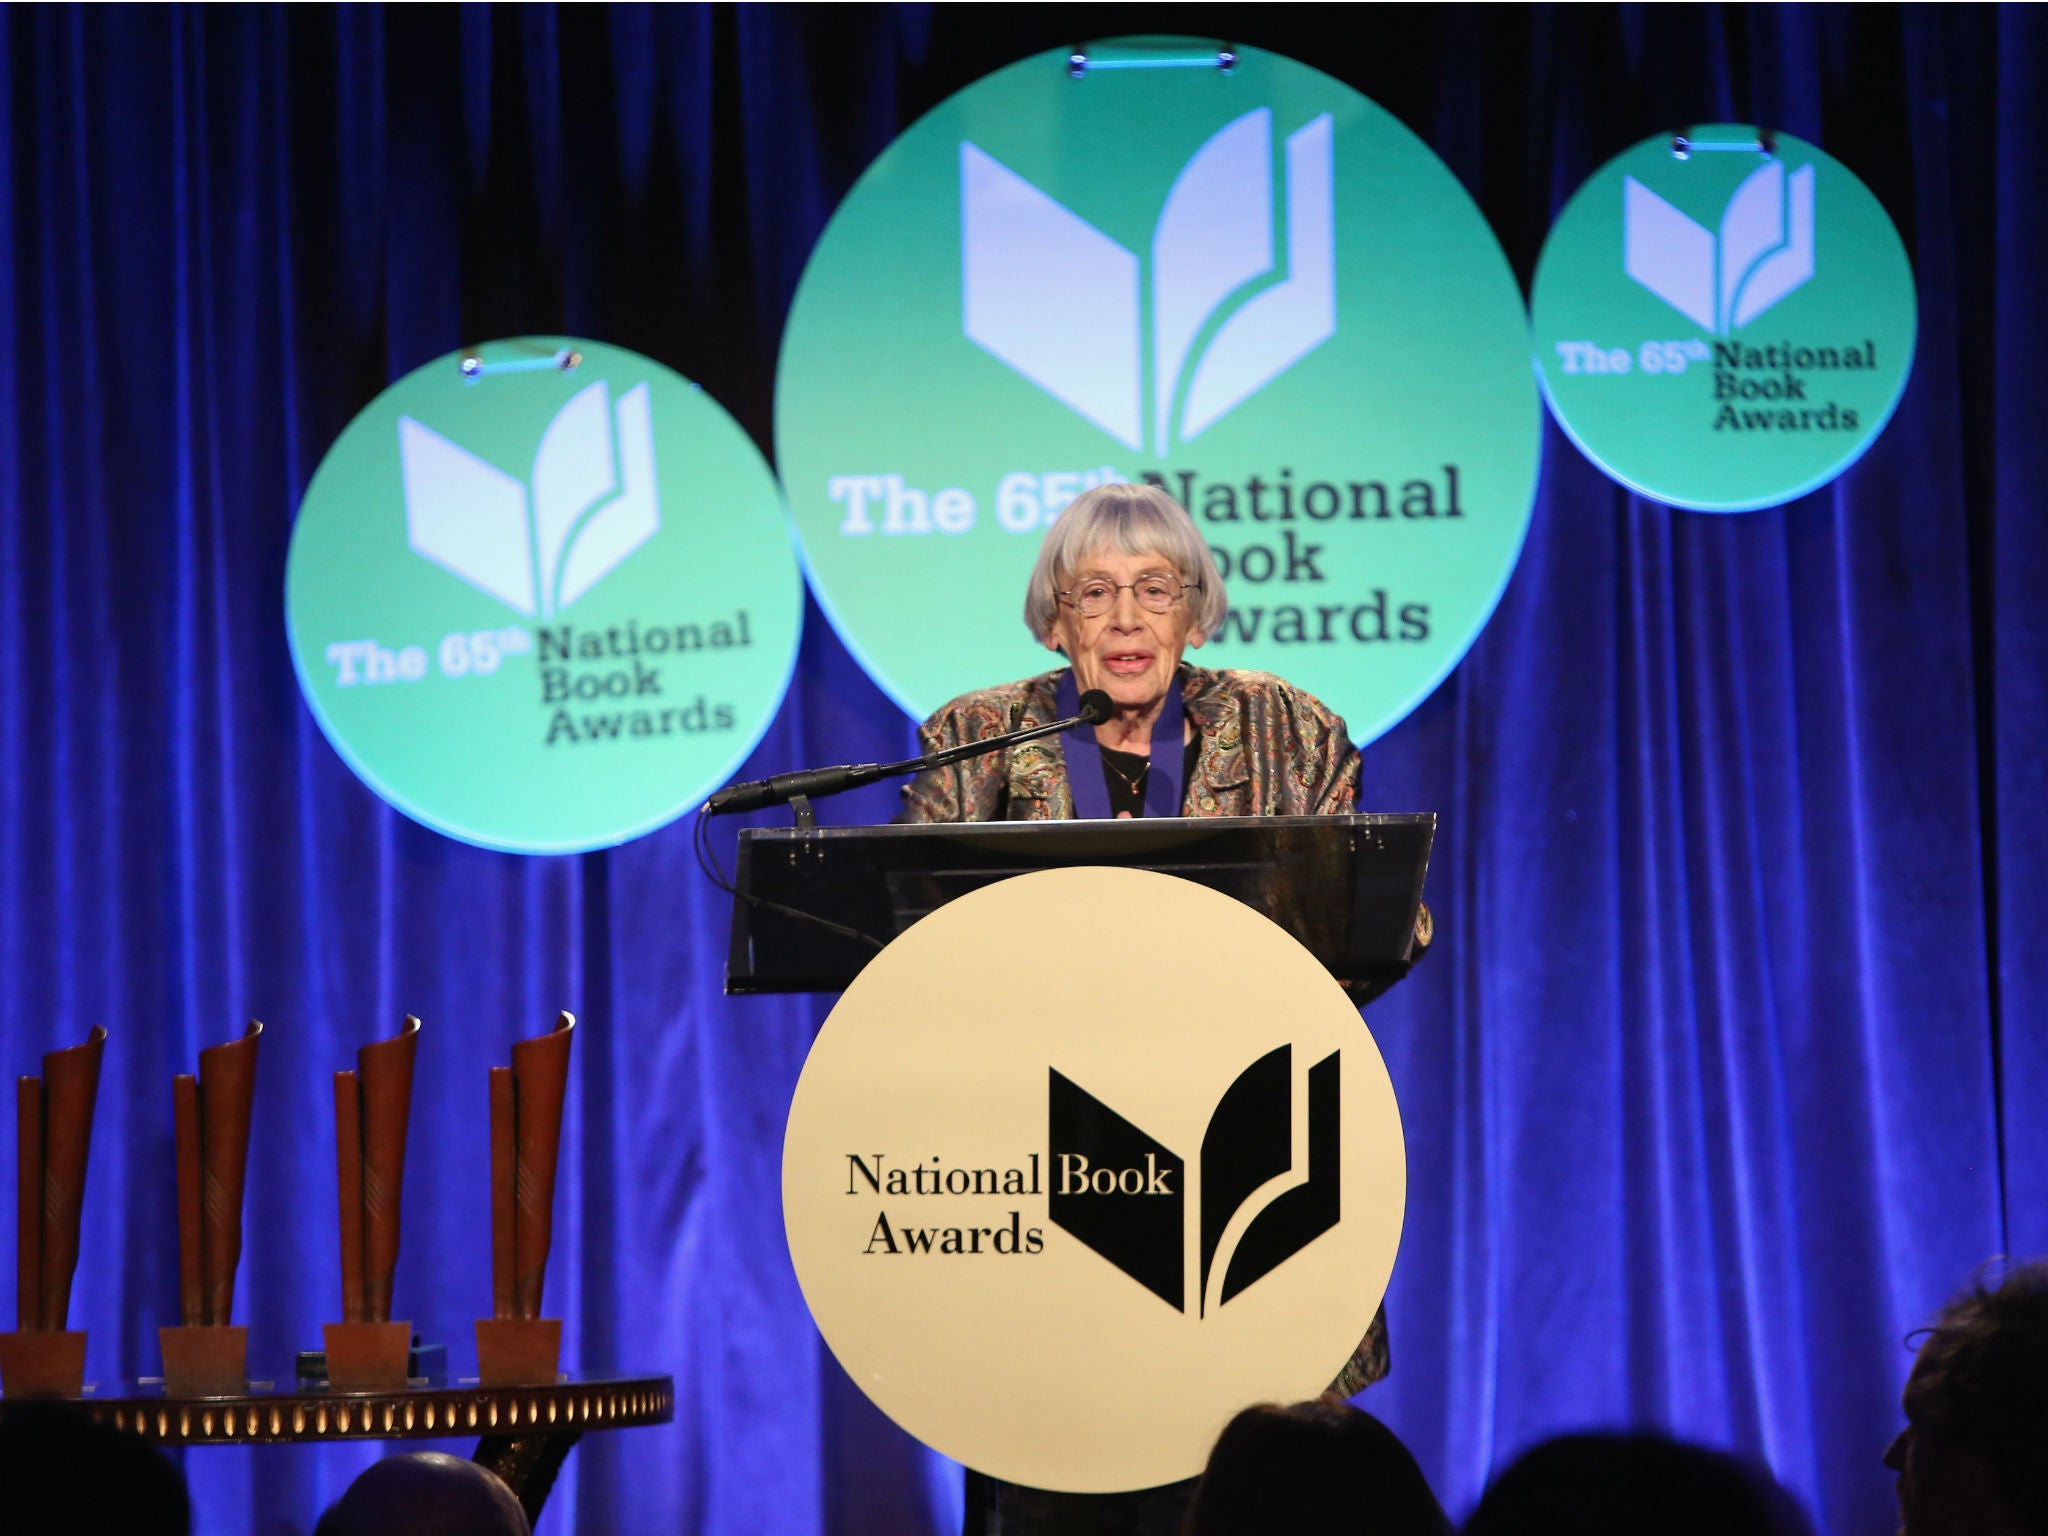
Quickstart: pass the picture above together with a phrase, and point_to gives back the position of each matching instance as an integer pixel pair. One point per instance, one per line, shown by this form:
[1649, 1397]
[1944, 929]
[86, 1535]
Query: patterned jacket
[1267, 749]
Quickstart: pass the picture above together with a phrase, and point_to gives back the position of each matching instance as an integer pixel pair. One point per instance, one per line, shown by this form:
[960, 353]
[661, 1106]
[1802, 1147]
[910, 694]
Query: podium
[1094, 1154]
[1349, 888]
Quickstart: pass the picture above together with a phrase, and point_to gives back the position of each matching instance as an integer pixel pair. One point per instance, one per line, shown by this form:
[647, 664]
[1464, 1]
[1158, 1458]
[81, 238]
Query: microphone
[781, 788]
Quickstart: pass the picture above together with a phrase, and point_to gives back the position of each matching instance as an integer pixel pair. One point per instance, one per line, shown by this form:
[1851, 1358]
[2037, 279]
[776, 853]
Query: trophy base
[205, 1361]
[367, 1357]
[42, 1364]
[518, 1351]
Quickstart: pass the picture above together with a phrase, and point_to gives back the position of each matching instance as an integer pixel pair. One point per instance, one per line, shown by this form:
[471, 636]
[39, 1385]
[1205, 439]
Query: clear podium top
[1349, 888]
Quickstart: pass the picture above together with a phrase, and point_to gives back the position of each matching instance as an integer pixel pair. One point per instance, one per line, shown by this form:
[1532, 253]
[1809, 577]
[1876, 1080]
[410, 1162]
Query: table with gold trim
[524, 1433]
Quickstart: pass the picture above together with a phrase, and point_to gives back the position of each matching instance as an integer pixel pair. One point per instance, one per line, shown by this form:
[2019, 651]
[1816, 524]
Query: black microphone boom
[811, 783]
[781, 788]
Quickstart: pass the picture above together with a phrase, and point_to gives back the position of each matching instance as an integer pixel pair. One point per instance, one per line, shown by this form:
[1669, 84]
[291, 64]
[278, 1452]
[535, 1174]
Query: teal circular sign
[1254, 287]
[1724, 319]
[541, 595]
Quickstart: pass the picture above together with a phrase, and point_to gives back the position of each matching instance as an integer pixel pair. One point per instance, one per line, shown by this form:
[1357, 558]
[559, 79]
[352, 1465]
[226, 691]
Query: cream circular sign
[1061, 1220]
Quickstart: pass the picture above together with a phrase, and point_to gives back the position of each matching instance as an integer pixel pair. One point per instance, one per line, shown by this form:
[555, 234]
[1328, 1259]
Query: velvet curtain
[1729, 1062]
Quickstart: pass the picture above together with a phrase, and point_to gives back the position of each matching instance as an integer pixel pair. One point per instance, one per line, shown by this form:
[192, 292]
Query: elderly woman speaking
[1124, 585]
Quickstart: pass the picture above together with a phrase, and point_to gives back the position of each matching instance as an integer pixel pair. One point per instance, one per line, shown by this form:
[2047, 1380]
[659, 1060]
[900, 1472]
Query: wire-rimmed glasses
[1156, 593]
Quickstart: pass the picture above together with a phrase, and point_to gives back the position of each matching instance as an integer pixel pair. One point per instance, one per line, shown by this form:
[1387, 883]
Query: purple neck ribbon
[1163, 787]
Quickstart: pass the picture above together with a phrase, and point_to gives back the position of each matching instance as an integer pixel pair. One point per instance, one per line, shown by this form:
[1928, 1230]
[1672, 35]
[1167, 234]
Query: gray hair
[1137, 520]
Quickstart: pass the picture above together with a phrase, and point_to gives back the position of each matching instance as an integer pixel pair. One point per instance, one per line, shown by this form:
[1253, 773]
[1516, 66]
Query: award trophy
[516, 1344]
[205, 1355]
[366, 1351]
[54, 1134]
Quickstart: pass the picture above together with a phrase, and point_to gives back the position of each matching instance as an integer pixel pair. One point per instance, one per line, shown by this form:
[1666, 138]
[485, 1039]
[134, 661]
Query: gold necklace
[1133, 784]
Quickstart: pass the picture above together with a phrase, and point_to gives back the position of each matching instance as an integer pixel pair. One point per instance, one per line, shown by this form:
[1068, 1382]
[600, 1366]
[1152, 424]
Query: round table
[524, 1433]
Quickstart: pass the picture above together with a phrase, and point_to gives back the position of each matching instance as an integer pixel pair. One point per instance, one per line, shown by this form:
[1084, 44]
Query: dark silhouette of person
[425, 1493]
[1632, 1485]
[62, 1473]
[1317, 1467]
[1973, 1456]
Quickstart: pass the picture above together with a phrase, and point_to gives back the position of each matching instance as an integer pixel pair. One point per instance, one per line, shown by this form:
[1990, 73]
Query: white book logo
[1059, 301]
[1765, 248]
[593, 503]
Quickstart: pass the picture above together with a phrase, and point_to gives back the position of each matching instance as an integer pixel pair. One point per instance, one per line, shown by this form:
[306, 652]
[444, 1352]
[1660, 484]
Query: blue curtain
[1729, 1062]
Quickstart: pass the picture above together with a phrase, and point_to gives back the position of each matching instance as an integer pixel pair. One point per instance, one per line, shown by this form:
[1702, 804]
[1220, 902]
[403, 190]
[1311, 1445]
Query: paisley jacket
[1267, 749]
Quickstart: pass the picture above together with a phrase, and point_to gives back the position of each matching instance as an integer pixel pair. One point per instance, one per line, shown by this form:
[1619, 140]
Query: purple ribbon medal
[1163, 787]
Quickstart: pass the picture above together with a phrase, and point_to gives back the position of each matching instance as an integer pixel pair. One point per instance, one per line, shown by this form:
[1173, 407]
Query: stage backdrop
[1728, 1063]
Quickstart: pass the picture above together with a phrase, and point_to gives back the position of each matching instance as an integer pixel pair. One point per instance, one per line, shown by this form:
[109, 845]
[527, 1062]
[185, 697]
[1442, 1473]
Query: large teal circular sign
[541, 596]
[1724, 319]
[1253, 286]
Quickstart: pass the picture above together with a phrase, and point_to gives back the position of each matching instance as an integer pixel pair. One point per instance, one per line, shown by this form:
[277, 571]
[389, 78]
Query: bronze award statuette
[517, 1345]
[366, 1351]
[53, 1136]
[205, 1355]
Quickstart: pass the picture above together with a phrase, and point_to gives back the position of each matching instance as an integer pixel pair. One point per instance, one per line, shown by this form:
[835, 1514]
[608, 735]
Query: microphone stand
[799, 788]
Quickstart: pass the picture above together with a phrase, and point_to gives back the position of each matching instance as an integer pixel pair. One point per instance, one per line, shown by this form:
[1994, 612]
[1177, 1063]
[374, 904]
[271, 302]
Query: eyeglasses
[1155, 594]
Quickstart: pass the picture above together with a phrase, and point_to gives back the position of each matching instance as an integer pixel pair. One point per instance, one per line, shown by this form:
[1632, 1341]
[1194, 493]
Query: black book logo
[1123, 1193]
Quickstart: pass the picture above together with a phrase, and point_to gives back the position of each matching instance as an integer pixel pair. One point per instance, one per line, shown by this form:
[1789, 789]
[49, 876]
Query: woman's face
[1129, 652]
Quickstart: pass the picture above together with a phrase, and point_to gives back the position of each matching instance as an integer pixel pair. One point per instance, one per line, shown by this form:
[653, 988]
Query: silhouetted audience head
[1631, 1485]
[60, 1472]
[1974, 1453]
[1317, 1467]
[425, 1494]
